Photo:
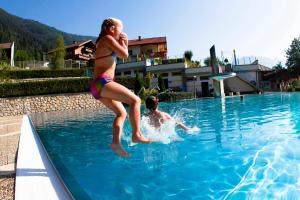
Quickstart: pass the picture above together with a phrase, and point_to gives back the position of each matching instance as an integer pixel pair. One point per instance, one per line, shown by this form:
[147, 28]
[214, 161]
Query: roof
[251, 67]
[142, 41]
[76, 44]
[6, 45]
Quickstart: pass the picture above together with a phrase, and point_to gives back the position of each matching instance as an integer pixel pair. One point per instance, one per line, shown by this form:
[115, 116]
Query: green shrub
[138, 83]
[4, 66]
[174, 96]
[161, 83]
[3, 72]
[296, 89]
[172, 60]
[54, 86]
[128, 82]
[151, 92]
[295, 83]
[41, 73]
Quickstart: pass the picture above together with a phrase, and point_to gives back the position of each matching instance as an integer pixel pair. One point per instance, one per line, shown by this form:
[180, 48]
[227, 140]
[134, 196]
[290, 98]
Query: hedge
[41, 73]
[75, 85]
[53, 86]
[128, 82]
[296, 89]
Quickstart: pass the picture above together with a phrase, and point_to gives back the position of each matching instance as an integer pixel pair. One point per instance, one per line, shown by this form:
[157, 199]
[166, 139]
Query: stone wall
[46, 103]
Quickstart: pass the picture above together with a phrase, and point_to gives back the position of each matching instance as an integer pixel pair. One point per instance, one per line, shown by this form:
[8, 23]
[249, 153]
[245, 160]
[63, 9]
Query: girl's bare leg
[115, 91]
[120, 112]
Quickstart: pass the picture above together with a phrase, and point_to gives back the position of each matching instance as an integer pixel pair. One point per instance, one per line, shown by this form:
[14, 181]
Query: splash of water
[193, 131]
[165, 134]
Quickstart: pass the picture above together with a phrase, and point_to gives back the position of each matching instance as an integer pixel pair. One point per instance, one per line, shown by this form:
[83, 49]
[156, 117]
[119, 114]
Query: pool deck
[36, 177]
[9, 140]
[26, 172]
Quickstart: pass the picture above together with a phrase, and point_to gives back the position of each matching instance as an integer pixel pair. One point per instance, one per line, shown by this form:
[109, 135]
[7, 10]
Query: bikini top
[112, 54]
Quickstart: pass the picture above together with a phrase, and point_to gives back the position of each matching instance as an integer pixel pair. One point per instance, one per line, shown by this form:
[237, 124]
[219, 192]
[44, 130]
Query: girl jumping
[110, 44]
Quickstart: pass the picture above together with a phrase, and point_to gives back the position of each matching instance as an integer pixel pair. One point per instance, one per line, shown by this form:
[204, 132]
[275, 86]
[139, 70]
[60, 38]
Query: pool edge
[36, 176]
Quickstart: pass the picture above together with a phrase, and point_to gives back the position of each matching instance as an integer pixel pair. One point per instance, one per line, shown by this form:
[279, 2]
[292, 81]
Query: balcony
[135, 62]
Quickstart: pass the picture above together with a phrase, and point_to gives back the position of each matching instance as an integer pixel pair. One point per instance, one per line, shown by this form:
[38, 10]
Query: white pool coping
[36, 177]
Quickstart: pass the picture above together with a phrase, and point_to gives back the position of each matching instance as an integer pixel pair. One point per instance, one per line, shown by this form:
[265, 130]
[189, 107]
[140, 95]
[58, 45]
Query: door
[205, 90]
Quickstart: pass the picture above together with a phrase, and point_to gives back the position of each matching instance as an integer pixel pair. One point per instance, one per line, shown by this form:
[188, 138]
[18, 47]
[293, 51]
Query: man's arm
[178, 123]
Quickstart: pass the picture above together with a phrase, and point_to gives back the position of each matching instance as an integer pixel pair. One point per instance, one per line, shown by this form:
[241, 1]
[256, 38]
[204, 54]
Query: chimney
[140, 38]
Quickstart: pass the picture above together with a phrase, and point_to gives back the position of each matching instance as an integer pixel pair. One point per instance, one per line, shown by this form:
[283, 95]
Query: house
[142, 52]
[249, 79]
[172, 72]
[7, 50]
[149, 55]
[177, 76]
[254, 74]
[148, 48]
[78, 54]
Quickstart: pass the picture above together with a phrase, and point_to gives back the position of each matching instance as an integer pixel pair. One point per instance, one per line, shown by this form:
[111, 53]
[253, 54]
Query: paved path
[9, 140]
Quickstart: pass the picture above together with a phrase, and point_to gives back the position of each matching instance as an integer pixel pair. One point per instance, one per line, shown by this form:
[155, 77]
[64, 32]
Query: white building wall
[248, 76]
[174, 81]
[12, 54]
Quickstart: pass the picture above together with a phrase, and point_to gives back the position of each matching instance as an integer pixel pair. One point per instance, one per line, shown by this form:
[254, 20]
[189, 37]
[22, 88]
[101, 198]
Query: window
[176, 74]
[204, 78]
[118, 74]
[127, 72]
[190, 79]
[130, 52]
[164, 74]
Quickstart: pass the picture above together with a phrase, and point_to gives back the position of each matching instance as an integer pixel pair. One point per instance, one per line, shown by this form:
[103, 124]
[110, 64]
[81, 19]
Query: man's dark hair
[151, 103]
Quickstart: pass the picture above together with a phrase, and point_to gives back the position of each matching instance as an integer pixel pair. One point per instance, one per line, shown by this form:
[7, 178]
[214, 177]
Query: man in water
[156, 117]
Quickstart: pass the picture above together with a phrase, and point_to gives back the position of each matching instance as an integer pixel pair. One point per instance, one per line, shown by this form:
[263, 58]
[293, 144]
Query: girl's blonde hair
[106, 24]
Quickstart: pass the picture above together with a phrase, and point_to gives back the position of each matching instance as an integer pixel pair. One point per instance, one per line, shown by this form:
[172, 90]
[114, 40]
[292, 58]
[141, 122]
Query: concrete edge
[36, 176]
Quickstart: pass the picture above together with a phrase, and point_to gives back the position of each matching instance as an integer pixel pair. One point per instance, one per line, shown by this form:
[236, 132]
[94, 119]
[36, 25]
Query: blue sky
[261, 28]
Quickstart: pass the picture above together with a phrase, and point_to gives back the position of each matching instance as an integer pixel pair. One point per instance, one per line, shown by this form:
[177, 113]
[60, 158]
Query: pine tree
[278, 67]
[293, 57]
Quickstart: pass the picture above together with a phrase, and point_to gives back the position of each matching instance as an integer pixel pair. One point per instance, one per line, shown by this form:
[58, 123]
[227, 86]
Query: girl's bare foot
[118, 149]
[140, 139]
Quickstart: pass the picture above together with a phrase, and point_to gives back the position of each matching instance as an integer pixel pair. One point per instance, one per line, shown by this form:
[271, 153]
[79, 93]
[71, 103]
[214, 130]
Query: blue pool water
[246, 149]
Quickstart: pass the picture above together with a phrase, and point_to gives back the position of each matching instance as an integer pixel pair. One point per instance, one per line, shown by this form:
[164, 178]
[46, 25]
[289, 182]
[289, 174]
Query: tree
[21, 55]
[188, 55]
[278, 67]
[293, 57]
[208, 63]
[3, 57]
[197, 63]
[58, 58]
[161, 84]
[148, 80]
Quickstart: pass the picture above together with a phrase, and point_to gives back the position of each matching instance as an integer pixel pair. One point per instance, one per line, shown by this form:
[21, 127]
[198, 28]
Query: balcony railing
[150, 61]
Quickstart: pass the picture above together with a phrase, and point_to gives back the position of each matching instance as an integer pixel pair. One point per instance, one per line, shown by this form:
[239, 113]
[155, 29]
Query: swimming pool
[246, 148]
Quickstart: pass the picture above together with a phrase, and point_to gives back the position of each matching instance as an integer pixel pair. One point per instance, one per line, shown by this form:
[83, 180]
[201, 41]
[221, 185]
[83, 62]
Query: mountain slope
[32, 36]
